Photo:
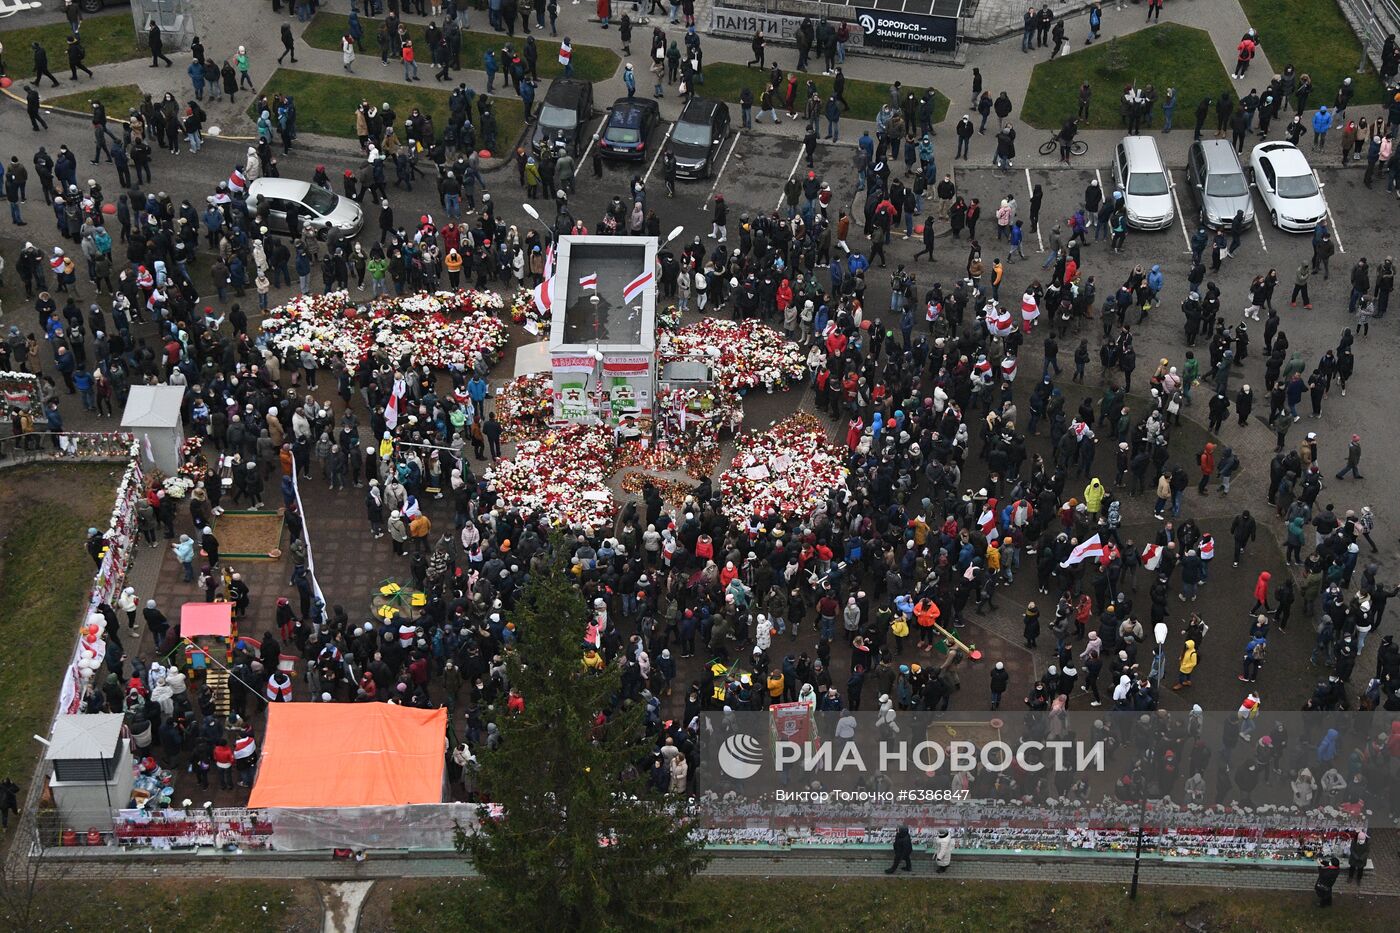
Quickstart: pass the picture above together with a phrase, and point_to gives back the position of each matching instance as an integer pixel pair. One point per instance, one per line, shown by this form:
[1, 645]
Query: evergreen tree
[581, 845]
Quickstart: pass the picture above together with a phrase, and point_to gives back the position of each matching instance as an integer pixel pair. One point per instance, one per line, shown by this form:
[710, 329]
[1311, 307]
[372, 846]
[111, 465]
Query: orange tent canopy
[350, 755]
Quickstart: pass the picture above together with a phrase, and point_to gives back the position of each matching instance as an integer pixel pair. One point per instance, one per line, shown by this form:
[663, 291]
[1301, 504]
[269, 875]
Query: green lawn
[45, 511]
[107, 38]
[724, 81]
[128, 906]
[117, 98]
[778, 905]
[1163, 56]
[1314, 37]
[326, 103]
[591, 62]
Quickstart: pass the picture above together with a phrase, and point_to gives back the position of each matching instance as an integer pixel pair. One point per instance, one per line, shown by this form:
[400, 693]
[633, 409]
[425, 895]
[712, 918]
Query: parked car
[96, 6]
[1218, 183]
[698, 135]
[628, 128]
[1143, 179]
[289, 205]
[568, 106]
[1287, 186]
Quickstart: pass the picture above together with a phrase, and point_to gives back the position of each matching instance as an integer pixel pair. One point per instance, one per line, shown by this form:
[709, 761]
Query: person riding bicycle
[1068, 131]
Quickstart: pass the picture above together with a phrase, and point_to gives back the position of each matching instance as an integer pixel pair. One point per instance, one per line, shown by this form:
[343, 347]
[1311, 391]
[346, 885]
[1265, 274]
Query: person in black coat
[1327, 871]
[41, 64]
[156, 45]
[903, 850]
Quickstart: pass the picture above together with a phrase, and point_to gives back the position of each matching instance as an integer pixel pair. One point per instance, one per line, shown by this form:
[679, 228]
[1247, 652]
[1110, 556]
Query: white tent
[153, 415]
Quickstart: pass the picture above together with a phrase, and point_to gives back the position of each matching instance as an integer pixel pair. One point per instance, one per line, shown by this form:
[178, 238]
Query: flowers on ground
[789, 468]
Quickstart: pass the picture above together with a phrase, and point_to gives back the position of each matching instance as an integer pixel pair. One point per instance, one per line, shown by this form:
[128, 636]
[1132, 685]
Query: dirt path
[343, 902]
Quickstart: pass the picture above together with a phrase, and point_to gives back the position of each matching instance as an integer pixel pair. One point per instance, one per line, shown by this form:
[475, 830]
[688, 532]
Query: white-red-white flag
[638, 285]
[1151, 556]
[1091, 549]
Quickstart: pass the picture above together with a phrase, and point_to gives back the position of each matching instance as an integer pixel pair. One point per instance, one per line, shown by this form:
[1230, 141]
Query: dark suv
[698, 134]
[628, 128]
[568, 106]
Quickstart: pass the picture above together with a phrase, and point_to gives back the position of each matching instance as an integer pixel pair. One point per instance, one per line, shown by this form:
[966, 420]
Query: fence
[65, 446]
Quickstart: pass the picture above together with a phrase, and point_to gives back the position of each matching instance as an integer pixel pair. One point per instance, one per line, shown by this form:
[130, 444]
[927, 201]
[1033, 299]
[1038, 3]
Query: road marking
[659, 149]
[795, 163]
[1259, 229]
[720, 174]
[1030, 193]
[583, 160]
[1331, 221]
[1181, 218]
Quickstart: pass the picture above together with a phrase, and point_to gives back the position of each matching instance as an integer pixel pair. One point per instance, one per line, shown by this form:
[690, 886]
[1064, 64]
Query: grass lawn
[241, 904]
[725, 905]
[107, 38]
[1314, 37]
[591, 62]
[117, 98]
[326, 103]
[724, 81]
[45, 511]
[1164, 56]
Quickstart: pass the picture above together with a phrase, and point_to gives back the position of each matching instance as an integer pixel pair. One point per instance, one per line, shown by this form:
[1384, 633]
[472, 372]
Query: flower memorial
[525, 405]
[563, 474]
[741, 354]
[789, 469]
[439, 329]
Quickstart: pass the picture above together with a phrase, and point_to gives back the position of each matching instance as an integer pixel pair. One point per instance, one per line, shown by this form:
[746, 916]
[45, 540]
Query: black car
[628, 128]
[568, 105]
[698, 134]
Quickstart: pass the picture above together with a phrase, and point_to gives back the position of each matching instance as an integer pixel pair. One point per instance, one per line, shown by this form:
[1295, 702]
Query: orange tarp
[350, 755]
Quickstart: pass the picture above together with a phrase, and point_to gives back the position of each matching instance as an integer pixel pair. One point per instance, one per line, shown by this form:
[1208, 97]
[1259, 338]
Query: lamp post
[1159, 663]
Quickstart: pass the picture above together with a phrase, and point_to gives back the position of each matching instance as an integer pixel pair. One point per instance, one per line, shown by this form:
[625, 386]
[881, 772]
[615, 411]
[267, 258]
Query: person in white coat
[943, 850]
[347, 53]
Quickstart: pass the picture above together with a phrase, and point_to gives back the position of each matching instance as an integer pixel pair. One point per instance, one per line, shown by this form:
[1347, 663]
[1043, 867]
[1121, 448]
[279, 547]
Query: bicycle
[1077, 147]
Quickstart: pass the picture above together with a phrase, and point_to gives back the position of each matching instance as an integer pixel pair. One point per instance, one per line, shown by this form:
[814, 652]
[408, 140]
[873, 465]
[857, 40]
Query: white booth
[92, 769]
[153, 415]
[602, 339]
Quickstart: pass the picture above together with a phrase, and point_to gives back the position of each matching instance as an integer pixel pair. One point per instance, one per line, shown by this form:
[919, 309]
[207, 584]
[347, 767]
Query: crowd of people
[959, 481]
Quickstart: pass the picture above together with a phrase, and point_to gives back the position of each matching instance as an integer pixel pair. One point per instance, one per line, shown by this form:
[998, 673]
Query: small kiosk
[92, 769]
[152, 414]
[602, 339]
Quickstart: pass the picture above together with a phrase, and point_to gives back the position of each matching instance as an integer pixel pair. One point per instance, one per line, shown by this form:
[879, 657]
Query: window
[557, 118]
[320, 200]
[1297, 186]
[691, 134]
[1230, 185]
[1147, 183]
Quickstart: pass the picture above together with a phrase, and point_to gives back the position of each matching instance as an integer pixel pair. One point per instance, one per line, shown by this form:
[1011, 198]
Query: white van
[1146, 186]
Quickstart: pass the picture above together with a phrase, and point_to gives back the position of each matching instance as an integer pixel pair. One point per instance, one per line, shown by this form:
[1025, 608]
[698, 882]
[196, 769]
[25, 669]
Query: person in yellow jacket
[592, 660]
[776, 682]
[453, 263]
[1093, 496]
[919, 527]
[1187, 665]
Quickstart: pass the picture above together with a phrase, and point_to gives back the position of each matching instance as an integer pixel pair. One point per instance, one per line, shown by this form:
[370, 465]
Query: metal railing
[45, 446]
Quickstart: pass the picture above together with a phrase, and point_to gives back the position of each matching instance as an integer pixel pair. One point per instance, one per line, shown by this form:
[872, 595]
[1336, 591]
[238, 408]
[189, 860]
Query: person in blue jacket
[1322, 122]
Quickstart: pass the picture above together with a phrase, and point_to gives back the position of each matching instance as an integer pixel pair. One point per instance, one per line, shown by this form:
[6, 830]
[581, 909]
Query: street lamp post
[1159, 663]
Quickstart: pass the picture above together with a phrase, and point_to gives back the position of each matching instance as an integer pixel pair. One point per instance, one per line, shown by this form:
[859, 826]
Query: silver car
[289, 205]
[1218, 183]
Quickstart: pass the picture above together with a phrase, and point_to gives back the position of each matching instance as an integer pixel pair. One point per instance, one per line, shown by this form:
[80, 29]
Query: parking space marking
[1030, 193]
[659, 149]
[1331, 221]
[598, 131]
[1259, 229]
[720, 174]
[1180, 217]
[793, 171]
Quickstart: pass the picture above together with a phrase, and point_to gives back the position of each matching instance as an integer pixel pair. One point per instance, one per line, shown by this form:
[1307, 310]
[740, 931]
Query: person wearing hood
[1093, 496]
[184, 552]
[1261, 593]
[1358, 856]
[943, 850]
[903, 851]
[1206, 460]
[1187, 664]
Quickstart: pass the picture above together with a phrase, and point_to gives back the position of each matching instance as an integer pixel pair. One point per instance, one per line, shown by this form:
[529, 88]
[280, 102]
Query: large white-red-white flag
[638, 285]
[1091, 549]
[589, 281]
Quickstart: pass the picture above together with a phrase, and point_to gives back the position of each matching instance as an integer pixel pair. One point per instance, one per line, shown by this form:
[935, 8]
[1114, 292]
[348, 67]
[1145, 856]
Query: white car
[287, 205]
[1287, 186]
[1142, 177]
